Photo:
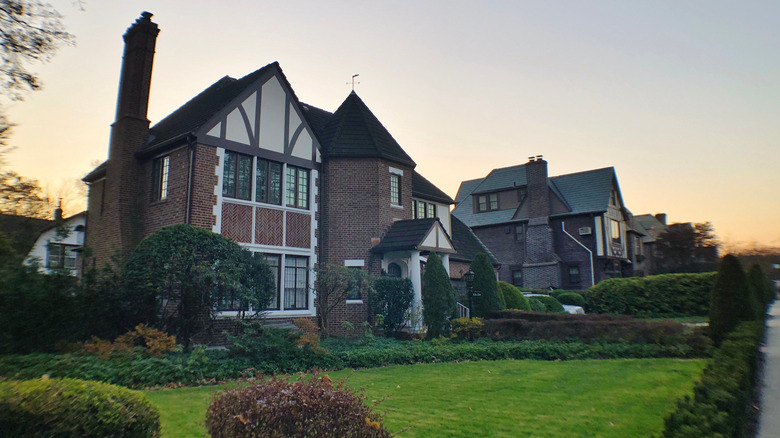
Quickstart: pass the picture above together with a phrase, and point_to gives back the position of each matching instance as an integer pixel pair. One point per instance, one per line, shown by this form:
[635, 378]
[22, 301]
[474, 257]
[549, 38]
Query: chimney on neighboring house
[538, 191]
[540, 269]
[661, 217]
[58, 211]
[117, 224]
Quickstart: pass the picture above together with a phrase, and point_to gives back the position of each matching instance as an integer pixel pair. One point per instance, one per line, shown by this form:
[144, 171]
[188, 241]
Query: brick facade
[357, 213]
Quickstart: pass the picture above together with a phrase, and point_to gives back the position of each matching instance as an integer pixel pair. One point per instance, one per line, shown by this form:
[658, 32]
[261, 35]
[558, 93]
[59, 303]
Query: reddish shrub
[279, 408]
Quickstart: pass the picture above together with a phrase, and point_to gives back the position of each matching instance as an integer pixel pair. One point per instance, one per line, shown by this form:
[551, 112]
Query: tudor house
[247, 159]
[567, 231]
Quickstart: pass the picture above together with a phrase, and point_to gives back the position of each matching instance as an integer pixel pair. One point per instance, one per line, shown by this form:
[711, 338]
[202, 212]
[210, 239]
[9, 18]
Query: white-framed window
[395, 189]
[296, 282]
[297, 187]
[160, 171]
[61, 256]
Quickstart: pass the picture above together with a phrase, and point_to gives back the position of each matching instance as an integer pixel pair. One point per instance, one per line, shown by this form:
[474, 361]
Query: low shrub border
[70, 407]
[199, 367]
[717, 408]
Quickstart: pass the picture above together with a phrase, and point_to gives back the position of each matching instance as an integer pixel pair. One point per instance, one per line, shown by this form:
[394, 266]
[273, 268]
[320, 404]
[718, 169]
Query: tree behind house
[485, 284]
[438, 297]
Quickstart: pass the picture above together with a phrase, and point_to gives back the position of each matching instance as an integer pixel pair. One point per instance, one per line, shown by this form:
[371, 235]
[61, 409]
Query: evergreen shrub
[513, 298]
[657, 296]
[438, 298]
[571, 299]
[485, 284]
[468, 328]
[718, 407]
[391, 298]
[280, 408]
[733, 299]
[70, 407]
[550, 304]
[536, 304]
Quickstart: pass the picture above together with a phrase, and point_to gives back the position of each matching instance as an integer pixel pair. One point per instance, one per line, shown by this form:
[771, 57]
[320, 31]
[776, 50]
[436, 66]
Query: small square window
[517, 278]
[574, 275]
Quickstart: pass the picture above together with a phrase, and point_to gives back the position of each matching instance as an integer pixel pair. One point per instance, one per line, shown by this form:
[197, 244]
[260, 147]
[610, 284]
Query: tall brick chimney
[116, 225]
[540, 268]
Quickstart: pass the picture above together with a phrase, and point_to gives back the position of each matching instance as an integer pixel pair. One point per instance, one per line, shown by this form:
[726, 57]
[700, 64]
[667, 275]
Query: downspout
[563, 228]
[190, 179]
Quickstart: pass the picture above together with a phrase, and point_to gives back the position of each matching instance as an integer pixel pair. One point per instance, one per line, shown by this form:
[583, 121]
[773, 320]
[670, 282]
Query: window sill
[400, 207]
[354, 301]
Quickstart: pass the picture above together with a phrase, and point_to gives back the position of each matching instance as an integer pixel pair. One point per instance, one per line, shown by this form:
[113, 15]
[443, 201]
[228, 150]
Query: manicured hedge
[656, 296]
[692, 342]
[204, 367]
[71, 408]
[717, 408]
[571, 299]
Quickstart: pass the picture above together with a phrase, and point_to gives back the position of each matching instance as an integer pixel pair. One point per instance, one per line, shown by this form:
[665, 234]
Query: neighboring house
[650, 227]
[568, 231]
[247, 159]
[58, 247]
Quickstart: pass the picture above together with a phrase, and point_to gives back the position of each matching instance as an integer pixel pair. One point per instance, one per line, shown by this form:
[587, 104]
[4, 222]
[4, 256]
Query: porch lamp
[468, 277]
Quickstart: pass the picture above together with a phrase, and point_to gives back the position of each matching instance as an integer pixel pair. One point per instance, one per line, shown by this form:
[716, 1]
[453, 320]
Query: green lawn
[591, 398]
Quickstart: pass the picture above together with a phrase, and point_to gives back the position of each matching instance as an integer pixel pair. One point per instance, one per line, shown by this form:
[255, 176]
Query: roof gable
[354, 132]
[416, 234]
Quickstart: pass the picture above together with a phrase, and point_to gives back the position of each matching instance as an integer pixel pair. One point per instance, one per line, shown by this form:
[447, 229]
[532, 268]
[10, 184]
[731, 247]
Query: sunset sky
[682, 98]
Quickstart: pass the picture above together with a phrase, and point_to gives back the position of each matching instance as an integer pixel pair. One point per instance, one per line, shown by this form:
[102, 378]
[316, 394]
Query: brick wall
[356, 210]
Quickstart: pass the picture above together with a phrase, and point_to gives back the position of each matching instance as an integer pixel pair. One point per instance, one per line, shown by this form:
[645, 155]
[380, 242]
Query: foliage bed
[666, 295]
[70, 407]
[201, 366]
[717, 408]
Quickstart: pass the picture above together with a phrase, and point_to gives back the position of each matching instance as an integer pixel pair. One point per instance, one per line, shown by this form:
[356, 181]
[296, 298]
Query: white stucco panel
[216, 131]
[443, 242]
[250, 107]
[295, 122]
[272, 107]
[236, 127]
[303, 145]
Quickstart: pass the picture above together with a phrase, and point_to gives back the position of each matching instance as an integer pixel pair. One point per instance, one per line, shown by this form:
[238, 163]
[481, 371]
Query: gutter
[563, 228]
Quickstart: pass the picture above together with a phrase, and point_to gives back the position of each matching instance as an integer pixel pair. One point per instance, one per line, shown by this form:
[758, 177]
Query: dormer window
[487, 202]
[614, 200]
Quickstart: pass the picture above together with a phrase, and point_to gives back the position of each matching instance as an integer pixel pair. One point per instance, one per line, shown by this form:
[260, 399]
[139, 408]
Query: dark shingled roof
[317, 117]
[467, 243]
[405, 235]
[581, 192]
[354, 132]
[201, 108]
[422, 188]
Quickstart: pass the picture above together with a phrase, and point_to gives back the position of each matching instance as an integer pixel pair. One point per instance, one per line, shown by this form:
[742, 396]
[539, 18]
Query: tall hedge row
[717, 408]
[655, 296]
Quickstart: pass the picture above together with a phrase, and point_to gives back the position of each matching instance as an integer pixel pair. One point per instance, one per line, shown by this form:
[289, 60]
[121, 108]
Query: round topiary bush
[71, 407]
[278, 408]
[513, 298]
[536, 304]
[571, 299]
[551, 304]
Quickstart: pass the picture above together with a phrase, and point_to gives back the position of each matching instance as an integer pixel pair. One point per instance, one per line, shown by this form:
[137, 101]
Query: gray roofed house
[566, 231]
